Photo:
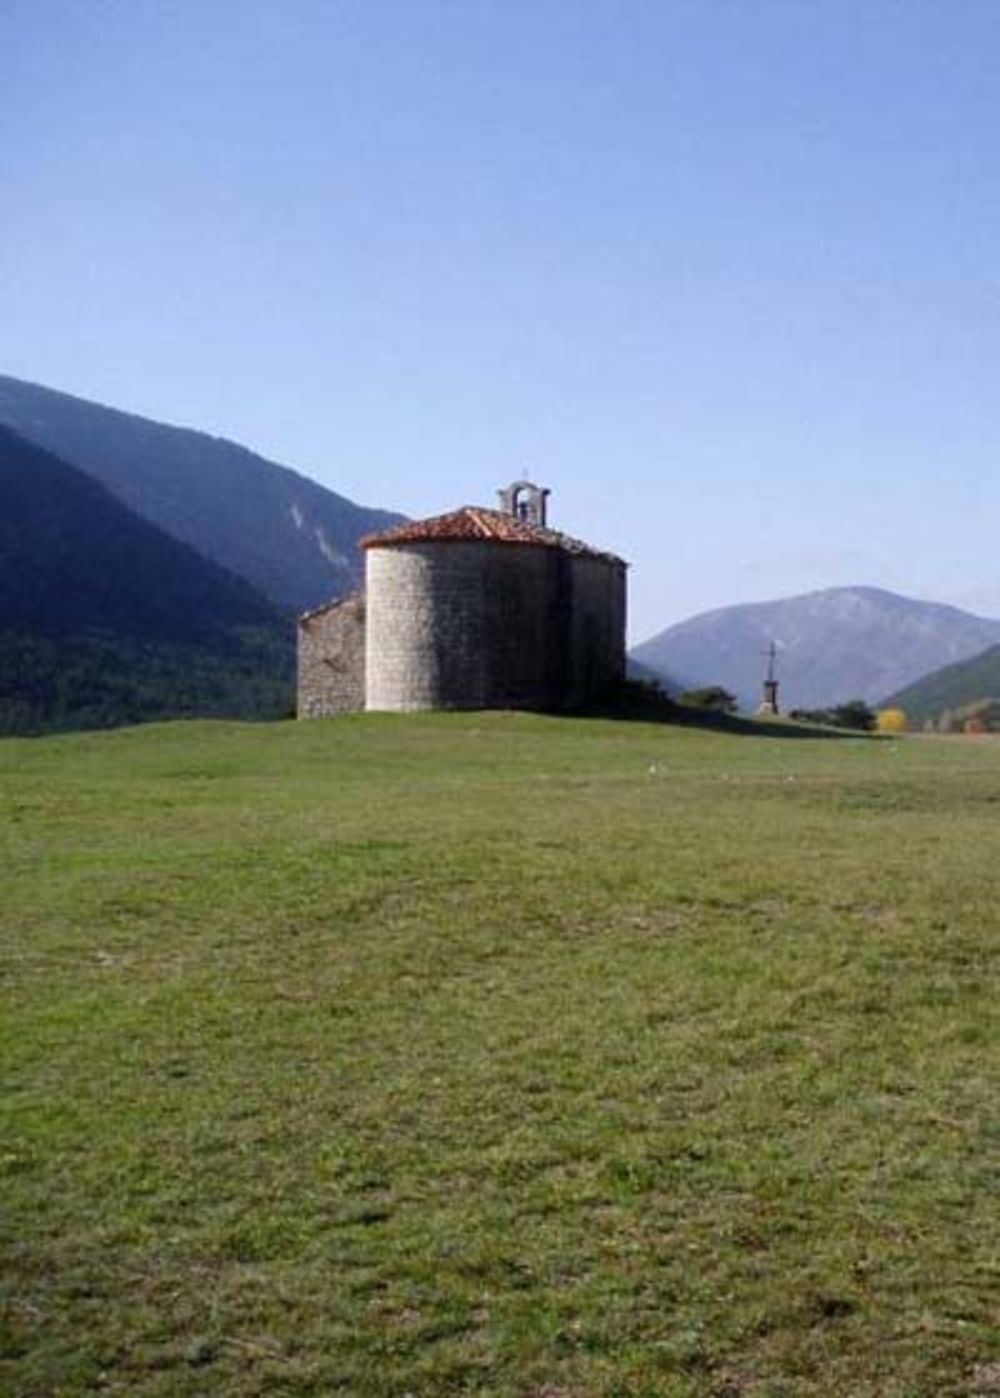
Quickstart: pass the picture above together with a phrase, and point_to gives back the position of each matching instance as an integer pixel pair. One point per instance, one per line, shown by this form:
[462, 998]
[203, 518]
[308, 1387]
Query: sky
[723, 274]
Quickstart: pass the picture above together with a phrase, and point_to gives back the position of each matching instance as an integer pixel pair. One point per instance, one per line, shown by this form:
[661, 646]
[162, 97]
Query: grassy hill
[503, 1055]
[106, 619]
[951, 687]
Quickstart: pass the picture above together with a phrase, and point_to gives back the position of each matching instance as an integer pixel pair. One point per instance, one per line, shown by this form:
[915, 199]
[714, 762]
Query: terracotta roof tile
[472, 522]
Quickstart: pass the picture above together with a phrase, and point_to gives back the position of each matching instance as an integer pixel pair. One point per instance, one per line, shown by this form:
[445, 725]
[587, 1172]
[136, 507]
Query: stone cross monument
[769, 703]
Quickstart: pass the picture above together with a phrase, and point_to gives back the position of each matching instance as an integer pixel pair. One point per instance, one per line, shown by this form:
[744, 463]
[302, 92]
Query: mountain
[104, 618]
[952, 687]
[838, 644]
[291, 539]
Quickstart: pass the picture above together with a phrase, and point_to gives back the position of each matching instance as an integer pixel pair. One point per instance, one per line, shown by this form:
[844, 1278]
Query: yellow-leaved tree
[891, 721]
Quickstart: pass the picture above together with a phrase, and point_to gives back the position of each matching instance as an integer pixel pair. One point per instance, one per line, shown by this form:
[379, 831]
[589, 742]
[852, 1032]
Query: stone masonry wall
[463, 625]
[597, 628]
[488, 624]
[332, 659]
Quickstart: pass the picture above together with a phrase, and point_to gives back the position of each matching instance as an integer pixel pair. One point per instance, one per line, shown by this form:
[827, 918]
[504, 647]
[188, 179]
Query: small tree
[711, 696]
[891, 721]
[854, 714]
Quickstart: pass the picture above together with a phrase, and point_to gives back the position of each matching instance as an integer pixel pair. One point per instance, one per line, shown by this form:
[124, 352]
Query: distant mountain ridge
[835, 644]
[105, 619]
[291, 539]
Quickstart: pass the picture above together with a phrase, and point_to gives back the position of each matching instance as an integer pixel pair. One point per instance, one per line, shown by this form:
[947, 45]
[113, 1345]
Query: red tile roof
[472, 522]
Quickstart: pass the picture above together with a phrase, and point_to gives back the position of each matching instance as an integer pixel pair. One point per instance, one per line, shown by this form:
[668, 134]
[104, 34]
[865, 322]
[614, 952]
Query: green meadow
[498, 1054]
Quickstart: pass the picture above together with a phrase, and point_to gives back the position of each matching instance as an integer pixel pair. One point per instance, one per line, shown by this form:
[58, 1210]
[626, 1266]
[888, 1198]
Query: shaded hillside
[291, 539]
[951, 687]
[106, 619]
[838, 644]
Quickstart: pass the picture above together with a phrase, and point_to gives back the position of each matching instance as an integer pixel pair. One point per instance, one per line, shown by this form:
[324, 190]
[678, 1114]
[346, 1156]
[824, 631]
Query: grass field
[496, 1054]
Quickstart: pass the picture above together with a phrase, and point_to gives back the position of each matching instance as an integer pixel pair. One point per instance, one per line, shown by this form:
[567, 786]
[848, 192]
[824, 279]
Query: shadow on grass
[642, 704]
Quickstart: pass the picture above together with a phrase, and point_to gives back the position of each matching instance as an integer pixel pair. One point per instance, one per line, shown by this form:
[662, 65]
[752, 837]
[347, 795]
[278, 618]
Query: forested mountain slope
[952, 687]
[290, 538]
[106, 619]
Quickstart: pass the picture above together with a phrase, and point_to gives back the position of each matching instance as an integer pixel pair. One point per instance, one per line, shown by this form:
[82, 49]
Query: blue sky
[725, 275]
